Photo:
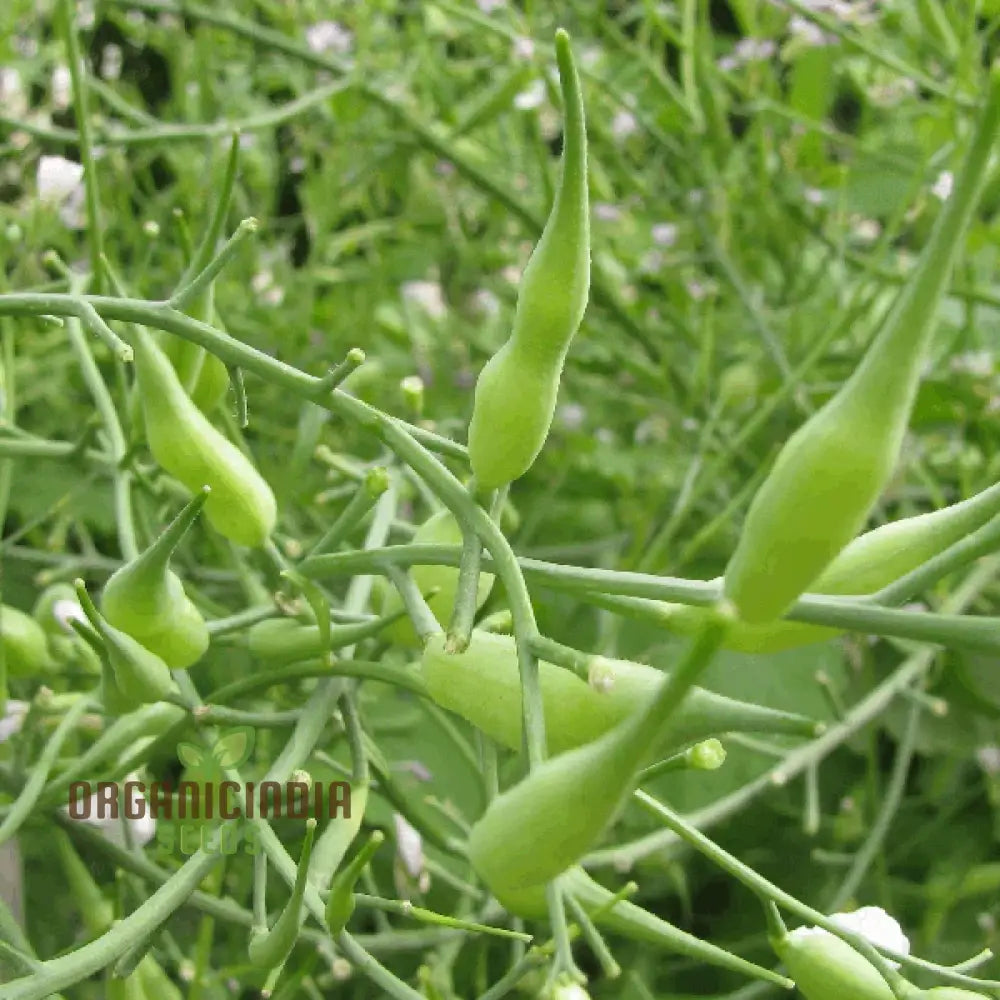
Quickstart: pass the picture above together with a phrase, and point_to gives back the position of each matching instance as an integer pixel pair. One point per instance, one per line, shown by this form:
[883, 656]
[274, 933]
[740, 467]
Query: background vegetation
[763, 174]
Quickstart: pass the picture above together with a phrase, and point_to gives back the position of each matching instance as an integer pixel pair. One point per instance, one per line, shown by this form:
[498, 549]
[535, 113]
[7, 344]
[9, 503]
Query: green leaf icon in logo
[231, 749]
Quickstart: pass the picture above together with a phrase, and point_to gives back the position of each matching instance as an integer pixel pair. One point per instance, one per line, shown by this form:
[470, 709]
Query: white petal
[12, 719]
[409, 846]
[58, 178]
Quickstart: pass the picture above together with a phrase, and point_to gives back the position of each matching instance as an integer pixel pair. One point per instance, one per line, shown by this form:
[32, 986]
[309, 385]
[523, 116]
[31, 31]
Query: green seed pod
[340, 902]
[146, 599]
[826, 968]
[204, 376]
[439, 529]
[276, 641]
[155, 982]
[241, 506]
[869, 563]
[335, 840]
[516, 392]
[630, 921]
[831, 472]
[536, 829]
[483, 685]
[25, 648]
[138, 675]
[268, 948]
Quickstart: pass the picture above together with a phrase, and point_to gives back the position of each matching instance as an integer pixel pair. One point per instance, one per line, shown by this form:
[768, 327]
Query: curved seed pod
[869, 563]
[536, 829]
[832, 470]
[439, 529]
[241, 506]
[826, 968]
[335, 840]
[146, 599]
[204, 376]
[287, 640]
[138, 675]
[269, 948]
[340, 902]
[25, 647]
[155, 982]
[483, 685]
[516, 392]
[629, 921]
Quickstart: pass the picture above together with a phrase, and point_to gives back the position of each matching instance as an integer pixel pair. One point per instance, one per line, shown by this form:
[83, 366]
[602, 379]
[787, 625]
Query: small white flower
[887, 94]
[623, 125]
[941, 189]
[329, 36]
[262, 281]
[748, 50]
[988, 758]
[865, 230]
[814, 196]
[12, 719]
[488, 6]
[872, 923]
[409, 846]
[62, 87]
[571, 416]
[973, 363]
[699, 290]
[606, 212]
[524, 47]
[85, 15]
[58, 178]
[427, 294]
[111, 62]
[12, 95]
[808, 32]
[511, 274]
[26, 45]
[65, 611]
[274, 295]
[664, 234]
[485, 302]
[531, 98]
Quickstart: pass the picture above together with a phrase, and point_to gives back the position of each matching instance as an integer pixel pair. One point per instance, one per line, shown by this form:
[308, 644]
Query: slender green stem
[184, 296]
[78, 80]
[25, 803]
[112, 426]
[887, 810]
